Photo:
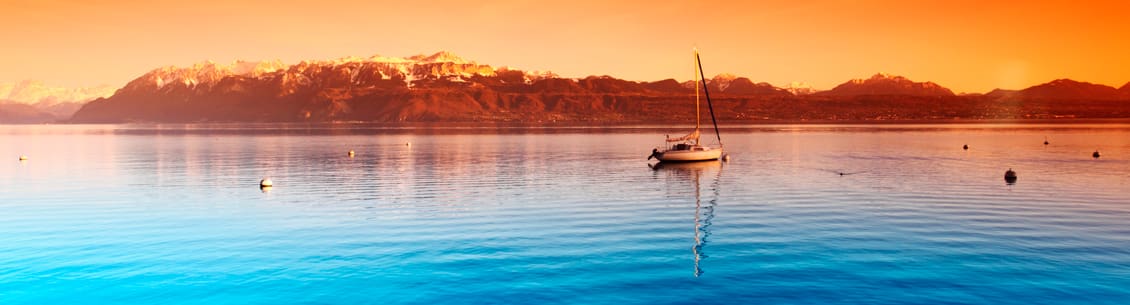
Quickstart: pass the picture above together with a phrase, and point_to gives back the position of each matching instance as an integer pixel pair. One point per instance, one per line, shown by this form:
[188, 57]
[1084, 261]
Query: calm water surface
[138, 214]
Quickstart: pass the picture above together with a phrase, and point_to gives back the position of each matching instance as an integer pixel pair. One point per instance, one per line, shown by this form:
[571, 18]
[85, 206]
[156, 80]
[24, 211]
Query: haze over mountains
[32, 101]
[446, 88]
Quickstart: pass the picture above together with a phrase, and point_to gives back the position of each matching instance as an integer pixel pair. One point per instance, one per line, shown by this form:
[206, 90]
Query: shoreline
[628, 123]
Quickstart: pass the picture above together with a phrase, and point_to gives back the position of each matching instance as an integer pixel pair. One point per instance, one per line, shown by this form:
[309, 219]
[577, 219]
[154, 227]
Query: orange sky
[967, 46]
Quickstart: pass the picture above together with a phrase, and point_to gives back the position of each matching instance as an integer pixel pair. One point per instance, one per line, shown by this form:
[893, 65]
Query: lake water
[172, 214]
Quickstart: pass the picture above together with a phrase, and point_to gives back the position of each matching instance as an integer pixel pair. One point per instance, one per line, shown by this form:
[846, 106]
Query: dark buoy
[965, 147]
[1045, 140]
[1096, 154]
[1010, 176]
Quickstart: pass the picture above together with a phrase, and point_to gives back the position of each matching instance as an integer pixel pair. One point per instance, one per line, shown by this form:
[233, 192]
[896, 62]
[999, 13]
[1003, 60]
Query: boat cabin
[687, 146]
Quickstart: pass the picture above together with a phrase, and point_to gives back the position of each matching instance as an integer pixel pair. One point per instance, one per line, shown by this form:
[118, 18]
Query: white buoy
[409, 143]
[351, 153]
[726, 157]
[266, 182]
[23, 158]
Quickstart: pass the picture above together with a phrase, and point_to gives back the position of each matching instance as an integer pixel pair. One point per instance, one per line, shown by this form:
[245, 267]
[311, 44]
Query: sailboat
[688, 148]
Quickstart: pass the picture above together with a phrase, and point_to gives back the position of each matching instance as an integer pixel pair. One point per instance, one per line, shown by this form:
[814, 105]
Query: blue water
[140, 214]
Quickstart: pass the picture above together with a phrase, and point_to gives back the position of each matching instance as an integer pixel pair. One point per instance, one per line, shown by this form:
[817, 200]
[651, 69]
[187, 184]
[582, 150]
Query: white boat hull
[690, 155]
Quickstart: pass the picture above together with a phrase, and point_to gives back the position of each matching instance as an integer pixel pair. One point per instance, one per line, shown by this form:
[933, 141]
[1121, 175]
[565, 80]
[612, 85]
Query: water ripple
[171, 215]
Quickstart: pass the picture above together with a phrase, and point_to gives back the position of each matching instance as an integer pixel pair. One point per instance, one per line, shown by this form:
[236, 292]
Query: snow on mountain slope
[438, 66]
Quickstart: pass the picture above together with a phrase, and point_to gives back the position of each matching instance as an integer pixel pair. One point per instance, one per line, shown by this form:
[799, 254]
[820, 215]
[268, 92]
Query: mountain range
[443, 87]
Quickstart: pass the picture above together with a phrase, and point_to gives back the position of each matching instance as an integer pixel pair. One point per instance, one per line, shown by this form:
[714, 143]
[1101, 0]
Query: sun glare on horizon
[967, 46]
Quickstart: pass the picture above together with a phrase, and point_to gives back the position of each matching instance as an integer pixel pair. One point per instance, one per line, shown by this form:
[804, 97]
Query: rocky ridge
[443, 87]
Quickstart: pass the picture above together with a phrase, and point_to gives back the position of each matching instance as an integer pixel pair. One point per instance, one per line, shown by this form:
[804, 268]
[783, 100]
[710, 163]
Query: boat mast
[705, 90]
[697, 112]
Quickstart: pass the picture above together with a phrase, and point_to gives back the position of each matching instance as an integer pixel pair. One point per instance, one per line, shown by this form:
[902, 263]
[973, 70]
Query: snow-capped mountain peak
[799, 88]
[723, 80]
[256, 68]
[442, 65]
[442, 56]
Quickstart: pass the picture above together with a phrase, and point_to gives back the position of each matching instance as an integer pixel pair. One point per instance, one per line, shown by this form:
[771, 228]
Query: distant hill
[1002, 93]
[667, 86]
[744, 86]
[884, 84]
[1063, 89]
[19, 113]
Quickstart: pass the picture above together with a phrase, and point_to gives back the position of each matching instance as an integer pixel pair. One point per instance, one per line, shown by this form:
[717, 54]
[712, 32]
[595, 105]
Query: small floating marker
[1010, 176]
[965, 147]
[1096, 154]
[351, 153]
[23, 158]
[726, 158]
[266, 182]
[1045, 140]
[409, 143]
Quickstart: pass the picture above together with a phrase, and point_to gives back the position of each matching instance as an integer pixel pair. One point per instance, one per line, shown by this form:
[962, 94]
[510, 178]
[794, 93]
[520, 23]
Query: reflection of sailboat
[687, 148]
[703, 214]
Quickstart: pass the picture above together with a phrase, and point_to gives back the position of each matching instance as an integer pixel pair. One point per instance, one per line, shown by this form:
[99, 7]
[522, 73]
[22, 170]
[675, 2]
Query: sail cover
[691, 136]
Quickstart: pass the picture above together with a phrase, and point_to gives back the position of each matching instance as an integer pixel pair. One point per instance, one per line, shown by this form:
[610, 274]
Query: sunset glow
[968, 46]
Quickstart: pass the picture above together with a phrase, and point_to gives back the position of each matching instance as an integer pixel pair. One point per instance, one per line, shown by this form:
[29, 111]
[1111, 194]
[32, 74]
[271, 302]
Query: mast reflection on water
[703, 213]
